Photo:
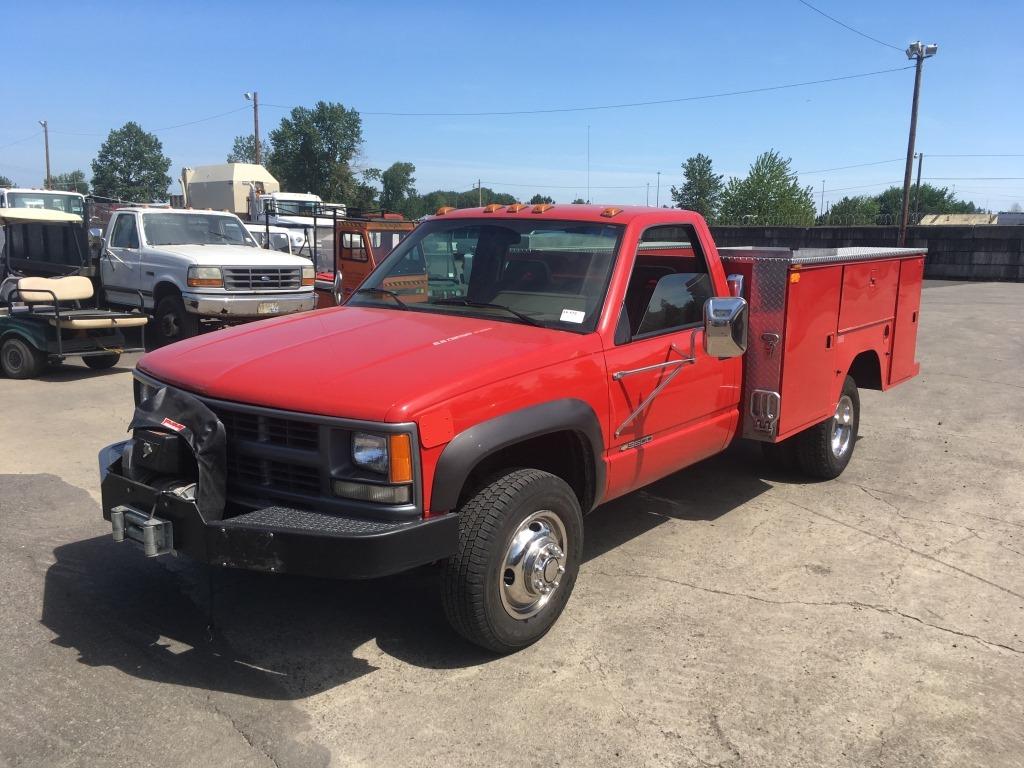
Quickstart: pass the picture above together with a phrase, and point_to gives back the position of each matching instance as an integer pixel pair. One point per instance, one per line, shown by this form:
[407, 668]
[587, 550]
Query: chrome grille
[262, 278]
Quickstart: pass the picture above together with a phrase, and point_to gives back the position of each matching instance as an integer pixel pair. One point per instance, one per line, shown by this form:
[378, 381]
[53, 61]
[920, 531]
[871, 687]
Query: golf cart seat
[43, 295]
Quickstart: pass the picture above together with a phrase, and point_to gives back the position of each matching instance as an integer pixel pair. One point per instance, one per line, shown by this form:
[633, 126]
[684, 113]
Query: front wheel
[825, 449]
[20, 360]
[173, 322]
[520, 545]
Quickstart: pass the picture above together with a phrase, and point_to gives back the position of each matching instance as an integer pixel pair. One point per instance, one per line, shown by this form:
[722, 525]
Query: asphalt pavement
[724, 616]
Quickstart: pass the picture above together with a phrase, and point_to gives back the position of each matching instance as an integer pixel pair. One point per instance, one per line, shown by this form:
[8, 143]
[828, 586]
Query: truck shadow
[273, 637]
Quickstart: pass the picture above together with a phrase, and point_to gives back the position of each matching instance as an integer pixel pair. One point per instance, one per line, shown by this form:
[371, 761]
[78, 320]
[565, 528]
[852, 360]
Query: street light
[46, 143]
[917, 51]
[254, 97]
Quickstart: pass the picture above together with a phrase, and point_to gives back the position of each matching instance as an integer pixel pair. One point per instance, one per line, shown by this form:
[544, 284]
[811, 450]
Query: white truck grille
[262, 278]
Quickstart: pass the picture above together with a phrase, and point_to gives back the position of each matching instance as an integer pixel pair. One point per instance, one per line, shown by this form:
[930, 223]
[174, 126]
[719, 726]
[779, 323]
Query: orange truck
[360, 244]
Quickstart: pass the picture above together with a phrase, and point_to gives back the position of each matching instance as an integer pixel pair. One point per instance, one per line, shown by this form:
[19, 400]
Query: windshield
[295, 207]
[194, 229]
[551, 273]
[53, 201]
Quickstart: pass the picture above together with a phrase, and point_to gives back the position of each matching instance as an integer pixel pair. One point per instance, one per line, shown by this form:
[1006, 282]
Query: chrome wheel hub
[842, 427]
[532, 567]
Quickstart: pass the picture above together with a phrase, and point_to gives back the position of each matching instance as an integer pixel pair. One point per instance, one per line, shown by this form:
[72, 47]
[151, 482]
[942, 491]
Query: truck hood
[231, 255]
[363, 363]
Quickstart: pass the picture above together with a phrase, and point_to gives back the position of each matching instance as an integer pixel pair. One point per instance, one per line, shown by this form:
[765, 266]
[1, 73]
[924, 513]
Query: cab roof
[600, 214]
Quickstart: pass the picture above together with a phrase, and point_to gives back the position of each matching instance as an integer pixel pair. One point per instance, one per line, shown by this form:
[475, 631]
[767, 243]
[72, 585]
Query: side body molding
[475, 444]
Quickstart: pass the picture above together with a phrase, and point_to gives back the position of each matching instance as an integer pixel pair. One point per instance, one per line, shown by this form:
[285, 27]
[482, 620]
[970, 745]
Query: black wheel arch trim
[467, 449]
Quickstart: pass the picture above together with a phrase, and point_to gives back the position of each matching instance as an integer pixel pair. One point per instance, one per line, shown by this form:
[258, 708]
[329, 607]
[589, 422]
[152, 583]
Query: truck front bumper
[276, 539]
[248, 305]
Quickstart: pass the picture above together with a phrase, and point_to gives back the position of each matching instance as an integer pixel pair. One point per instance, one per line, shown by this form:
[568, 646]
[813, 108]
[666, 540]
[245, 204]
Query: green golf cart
[45, 319]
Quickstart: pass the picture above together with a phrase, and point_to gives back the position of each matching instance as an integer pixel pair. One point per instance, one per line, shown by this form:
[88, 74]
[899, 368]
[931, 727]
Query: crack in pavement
[241, 731]
[908, 548]
[855, 604]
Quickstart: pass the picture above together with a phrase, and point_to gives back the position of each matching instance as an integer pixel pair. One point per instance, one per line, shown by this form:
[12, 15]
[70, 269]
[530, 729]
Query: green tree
[74, 181]
[702, 187]
[579, 201]
[861, 209]
[398, 188]
[6, 182]
[541, 200]
[932, 200]
[131, 165]
[770, 194]
[364, 195]
[243, 150]
[312, 151]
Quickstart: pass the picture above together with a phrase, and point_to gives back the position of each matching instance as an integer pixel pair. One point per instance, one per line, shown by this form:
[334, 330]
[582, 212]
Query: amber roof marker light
[492, 208]
[611, 211]
[542, 207]
[516, 207]
[443, 210]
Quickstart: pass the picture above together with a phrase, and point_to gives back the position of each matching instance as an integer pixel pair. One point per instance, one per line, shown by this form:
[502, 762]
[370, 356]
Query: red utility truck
[473, 418]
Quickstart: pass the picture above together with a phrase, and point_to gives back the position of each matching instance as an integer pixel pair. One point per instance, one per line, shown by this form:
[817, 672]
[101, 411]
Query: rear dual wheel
[520, 544]
[824, 450]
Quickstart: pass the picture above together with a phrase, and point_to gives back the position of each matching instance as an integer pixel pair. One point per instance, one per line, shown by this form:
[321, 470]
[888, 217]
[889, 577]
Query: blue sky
[88, 67]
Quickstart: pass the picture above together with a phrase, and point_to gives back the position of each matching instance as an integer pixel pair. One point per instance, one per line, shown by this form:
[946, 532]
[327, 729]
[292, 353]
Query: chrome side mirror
[336, 289]
[725, 326]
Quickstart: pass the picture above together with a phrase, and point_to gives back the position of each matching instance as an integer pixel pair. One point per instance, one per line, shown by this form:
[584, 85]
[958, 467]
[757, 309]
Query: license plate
[268, 308]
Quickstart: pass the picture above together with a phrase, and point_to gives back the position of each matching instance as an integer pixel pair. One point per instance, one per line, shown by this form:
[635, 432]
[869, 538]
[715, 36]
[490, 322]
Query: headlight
[205, 277]
[308, 275]
[370, 452]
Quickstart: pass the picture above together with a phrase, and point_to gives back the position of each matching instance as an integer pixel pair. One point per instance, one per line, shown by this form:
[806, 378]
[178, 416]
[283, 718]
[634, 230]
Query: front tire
[825, 449]
[20, 360]
[520, 547]
[172, 322]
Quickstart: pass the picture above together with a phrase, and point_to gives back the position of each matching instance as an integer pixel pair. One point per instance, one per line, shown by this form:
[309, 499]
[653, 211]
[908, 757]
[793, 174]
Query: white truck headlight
[308, 275]
[205, 277]
[370, 452]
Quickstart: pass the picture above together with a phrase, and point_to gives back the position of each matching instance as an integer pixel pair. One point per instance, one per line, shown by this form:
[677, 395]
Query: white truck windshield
[54, 201]
[194, 229]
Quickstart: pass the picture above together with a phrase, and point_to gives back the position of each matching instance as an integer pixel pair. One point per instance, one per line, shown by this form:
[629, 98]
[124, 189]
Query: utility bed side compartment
[809, 352]
[903, 363]
[869, 294]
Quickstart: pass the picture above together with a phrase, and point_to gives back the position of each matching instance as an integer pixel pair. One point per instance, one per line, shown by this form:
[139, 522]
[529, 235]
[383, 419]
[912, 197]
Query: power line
[558, 186]
[164, 128]
[857, 165]
[847, 26]
[20, 140]
[627, 105]
[999, 155]
[974, 178]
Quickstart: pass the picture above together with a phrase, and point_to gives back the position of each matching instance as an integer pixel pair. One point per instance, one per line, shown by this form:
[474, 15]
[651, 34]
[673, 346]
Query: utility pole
[588, 162]
[917, 192]
[657, 194]
[46, 144]
[648, 203]
[822, 209]
[919, 52]
[254, 97]
[479, 194]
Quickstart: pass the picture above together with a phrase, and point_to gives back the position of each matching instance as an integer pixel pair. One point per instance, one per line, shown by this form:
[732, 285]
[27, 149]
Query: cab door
[671, 405]
[121, 264]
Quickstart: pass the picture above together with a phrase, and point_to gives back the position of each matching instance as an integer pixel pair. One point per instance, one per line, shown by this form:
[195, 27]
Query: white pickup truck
[189, 267]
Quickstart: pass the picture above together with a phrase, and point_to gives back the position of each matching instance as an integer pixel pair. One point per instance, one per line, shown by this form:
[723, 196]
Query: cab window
[669, 284]
[352, 247]
[125, 234]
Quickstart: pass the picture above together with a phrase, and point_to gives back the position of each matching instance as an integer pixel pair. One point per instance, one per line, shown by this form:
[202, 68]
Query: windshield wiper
[487, 305]
[386, 292]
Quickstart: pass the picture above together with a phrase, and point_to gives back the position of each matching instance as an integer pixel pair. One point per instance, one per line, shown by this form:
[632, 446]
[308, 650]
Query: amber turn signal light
[400, 448]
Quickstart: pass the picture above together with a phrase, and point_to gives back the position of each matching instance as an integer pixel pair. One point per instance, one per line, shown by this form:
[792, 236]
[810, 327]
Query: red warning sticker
[172, 425]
